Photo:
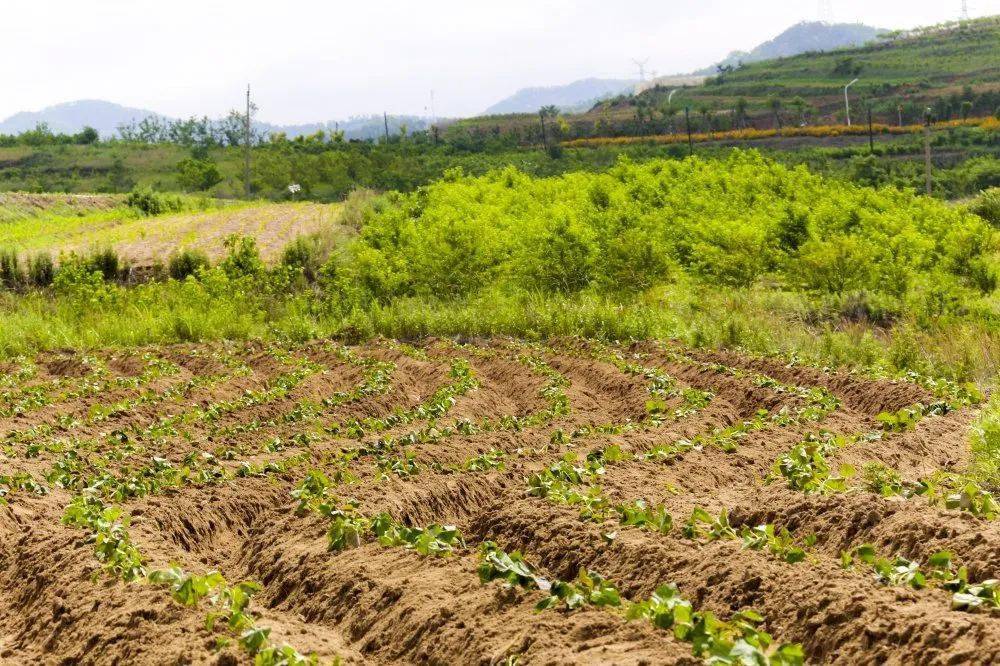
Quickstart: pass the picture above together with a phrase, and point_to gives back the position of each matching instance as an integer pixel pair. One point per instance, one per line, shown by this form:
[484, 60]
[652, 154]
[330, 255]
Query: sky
[310, 60]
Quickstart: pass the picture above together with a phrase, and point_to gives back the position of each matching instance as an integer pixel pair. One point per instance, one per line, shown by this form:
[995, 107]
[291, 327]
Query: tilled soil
[202, 447]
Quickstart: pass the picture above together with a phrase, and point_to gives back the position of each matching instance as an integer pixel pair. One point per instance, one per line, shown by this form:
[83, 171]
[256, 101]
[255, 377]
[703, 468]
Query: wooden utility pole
[927, 153]
[246, 148]
[871, 134]
[687, 121]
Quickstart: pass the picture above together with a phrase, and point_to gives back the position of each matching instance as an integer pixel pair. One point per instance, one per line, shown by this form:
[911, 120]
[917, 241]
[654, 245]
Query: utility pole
[927, 152]
[385, 118]
[246, 148]
[687, 121]
[871, 134]
[847, 101]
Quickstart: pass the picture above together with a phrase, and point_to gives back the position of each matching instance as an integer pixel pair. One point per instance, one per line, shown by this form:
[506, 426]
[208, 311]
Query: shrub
[730, 222]
[352, 213]
[305, 253]
[187, 262]
[106, 262]
[11, 275]
[243, 259]
[148, 202]
[835, 265]
[41, 270]
[987, 206]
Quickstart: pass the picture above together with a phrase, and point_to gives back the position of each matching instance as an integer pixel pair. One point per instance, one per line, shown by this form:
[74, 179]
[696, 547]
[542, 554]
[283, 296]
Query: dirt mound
[364, 494]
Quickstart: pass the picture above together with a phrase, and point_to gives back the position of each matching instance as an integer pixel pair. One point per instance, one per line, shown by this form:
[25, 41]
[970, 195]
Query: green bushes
[198, 174]
[306, 254]
[987, 206]
[41, 270]
[186, 262]
[151, 203]
[11, 276]
[106, 262]
[735, 222]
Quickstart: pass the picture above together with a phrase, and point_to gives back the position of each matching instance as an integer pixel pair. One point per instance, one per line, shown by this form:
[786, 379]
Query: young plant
[512, 568]
[589, 588]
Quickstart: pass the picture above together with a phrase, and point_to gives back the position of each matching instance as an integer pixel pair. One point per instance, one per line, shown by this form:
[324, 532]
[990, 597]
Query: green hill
[941, 67]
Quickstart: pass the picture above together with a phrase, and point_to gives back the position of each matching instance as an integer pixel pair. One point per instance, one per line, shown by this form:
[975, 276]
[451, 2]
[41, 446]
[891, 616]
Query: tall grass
[271, 307]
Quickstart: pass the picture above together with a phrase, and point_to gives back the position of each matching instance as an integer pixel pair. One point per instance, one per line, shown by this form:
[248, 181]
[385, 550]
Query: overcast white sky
[312, 60]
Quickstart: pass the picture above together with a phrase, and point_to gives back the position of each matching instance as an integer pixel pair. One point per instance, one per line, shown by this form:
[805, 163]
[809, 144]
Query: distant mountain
[571, 97]
[71, 117]
[803, 38]
[106, 117]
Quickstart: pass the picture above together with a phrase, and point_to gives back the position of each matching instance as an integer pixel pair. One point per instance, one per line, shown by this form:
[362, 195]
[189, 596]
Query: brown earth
[253, 404]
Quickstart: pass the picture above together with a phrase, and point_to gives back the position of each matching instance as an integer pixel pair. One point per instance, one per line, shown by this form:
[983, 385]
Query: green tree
[87, 136]
[197, 175]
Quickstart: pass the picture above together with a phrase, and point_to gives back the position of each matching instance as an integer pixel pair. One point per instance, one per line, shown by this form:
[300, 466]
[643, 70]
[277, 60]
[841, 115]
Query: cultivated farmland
[492, 501]
[144, 241]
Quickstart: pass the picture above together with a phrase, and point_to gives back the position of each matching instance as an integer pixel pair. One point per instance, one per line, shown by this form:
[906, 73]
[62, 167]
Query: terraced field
[490, 502]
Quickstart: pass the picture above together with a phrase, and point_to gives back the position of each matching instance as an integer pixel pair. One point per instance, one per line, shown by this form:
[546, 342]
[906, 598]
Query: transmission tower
[641, 64]
[965, 10]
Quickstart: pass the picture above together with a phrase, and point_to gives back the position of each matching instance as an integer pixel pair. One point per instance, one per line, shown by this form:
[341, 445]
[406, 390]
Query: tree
[741, 112]
[800, 105]
[87, 136]
[197, 175]
[706, 117]
[775, 104]
[669, 114]
[543, 113]
[966, 109]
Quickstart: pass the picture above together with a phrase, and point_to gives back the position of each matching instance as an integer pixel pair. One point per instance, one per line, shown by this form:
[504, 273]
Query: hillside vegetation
[941, 67]
[741, 251]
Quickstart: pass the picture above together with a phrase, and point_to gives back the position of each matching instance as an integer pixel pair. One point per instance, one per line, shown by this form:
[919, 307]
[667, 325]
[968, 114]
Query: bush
[198, 174]
[187, 262]
[11, 275]
[243, 259]
[148, 202]
[987, 206]
[305, 253]
[352, 212]
[41, 270]
[730, 222]
[106, 262]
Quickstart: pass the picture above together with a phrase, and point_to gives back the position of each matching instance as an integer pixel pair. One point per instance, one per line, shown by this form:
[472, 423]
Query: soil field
[378, 501]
